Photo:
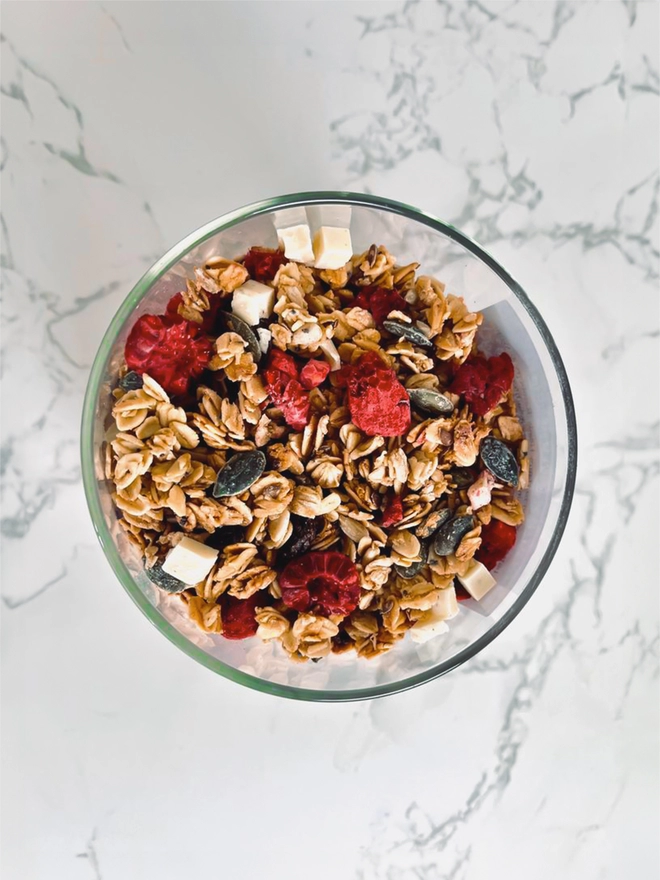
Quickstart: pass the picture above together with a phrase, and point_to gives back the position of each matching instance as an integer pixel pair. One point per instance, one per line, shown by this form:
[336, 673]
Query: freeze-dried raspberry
[392, 512]
[172, 352]
[497, 538]
[378, 402]
[483, 382]
[327, 582]
[286, 392]
[380, 302]
[263, 263]
[238, 621]
[313, 373]
[209, 317]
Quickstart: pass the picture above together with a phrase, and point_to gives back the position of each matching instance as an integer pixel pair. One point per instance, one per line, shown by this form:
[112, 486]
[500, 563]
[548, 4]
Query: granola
[314, 472]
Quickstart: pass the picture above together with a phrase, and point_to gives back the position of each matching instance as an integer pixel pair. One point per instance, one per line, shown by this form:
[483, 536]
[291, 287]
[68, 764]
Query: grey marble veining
[533, 126]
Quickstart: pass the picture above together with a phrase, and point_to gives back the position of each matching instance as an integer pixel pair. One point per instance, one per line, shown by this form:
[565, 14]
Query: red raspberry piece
[238, 620]
[483, 382]
[378, 402]
[294, 404]
[171, 352]
[314, 373]
[263, 263]
[392, 512]
[380, 301]
[209, 316]
[325, 581]
[286, 392]
[280, 362]
[497, 538]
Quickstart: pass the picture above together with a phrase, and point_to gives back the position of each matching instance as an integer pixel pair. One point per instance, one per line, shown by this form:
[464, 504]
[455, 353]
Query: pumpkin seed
[407, 331]
[164, 580]
[432, 523]
[499, 460]
[240, 472]
[410, 571]
[449, 536]
[431, 402]
[131, 381]
[238, 325]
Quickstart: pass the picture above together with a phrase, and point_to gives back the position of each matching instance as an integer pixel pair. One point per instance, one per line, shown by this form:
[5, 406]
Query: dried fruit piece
[304, 532]
[314, 373]
[286, 392]
[407, 331]
[225, 536]
[263, 263]
[239, 473]
[499, 460]
[238, 620]
[325, 581]
[171, 352]
[497, 538]
[164, 580]
[378, 402]
[483, 382]
[392, 512]
[431, 402]
[449, 536]
[132, 381]
[380, 301]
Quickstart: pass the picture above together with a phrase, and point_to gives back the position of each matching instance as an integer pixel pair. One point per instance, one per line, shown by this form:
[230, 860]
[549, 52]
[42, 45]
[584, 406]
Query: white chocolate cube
[253, 301]
[447, 605]
[297, 243]
[477, 580]
[332, 247]
[190, 561]
[428, 627]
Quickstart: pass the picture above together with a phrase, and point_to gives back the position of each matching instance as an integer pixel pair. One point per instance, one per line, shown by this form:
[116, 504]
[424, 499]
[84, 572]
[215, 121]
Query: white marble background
[534, 127]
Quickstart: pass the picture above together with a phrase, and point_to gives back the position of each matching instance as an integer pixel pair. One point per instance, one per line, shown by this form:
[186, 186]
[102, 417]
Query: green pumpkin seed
[431, 402]
[164, 580]
[407, 331]
[450, 535]
[240, 472]
[432, 523]
[499, 460]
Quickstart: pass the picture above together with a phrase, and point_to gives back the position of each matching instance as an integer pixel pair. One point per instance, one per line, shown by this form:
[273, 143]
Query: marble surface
[534, 127]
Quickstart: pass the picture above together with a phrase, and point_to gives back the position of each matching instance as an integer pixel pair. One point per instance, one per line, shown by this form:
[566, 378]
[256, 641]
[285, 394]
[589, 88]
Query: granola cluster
[261, 459]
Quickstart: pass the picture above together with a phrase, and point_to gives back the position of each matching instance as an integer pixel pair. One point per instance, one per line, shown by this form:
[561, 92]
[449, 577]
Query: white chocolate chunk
[253, 301]
[428, 627]
[447, 605]
[297, 243]
[264, 336]
[432, 622]
[190, 561]
[332, 247]
[477, 580]
[331, 354]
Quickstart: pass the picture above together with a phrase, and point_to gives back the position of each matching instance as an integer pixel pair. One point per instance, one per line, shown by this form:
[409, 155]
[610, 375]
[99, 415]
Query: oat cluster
[163, 457]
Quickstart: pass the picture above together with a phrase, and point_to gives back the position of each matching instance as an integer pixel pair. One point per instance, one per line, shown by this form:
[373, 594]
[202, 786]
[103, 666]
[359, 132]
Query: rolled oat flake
[429, 401]
[499, 460]
[240, 472]
[450, 535]
[410, 571]
[238, 325]
[432, 523]
[407, 331]
[164, 580]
